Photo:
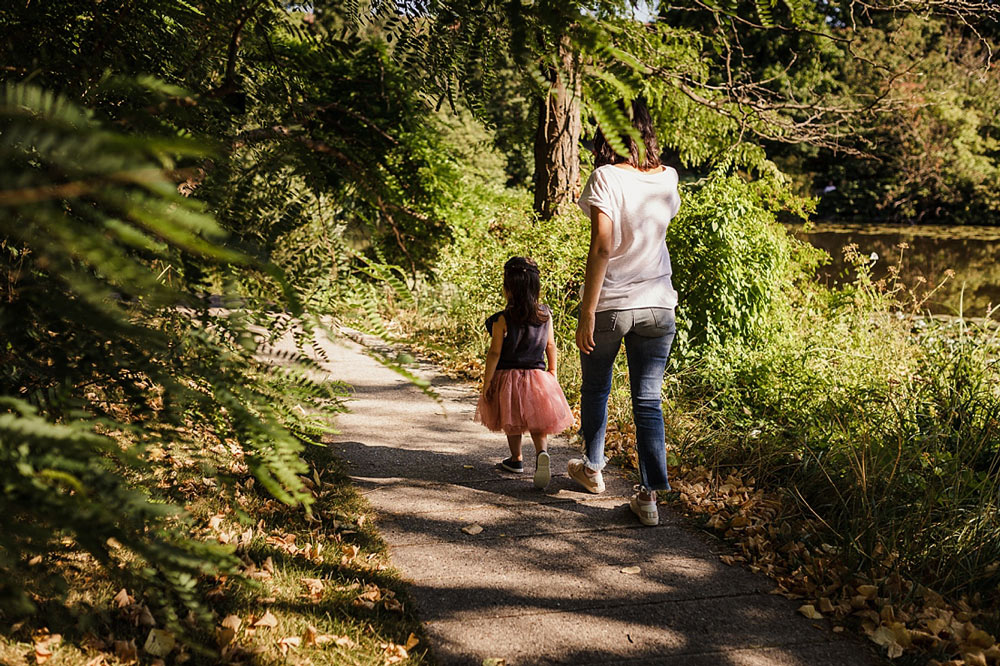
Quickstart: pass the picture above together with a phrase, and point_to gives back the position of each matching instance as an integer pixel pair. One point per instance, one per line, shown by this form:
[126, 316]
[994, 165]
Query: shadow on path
[551, 578]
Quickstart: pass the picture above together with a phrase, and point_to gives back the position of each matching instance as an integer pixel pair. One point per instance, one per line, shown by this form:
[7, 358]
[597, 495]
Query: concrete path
[543, 582]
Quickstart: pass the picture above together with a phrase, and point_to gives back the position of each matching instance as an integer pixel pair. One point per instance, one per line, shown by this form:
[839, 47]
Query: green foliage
[731, 261]
[112, 359]
[886, 431]
[882, 425]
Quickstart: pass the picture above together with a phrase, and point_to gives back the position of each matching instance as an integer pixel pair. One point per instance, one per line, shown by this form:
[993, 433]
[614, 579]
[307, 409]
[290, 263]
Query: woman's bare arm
[601, 238]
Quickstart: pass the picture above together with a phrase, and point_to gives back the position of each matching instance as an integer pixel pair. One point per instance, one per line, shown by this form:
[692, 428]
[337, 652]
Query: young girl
[519, 394]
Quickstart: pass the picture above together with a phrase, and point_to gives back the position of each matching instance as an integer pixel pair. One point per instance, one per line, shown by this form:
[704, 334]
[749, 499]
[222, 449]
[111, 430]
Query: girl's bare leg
[540, 440]
[514, 442]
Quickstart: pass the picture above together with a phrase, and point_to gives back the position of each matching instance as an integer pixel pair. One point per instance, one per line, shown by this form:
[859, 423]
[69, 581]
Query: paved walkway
[543, 582]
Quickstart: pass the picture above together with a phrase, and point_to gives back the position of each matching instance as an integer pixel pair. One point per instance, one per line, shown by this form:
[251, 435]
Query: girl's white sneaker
[645, 509]
[543, 469]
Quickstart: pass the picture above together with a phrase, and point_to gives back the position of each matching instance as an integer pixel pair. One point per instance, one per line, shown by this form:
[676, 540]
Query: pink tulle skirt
[524, 401]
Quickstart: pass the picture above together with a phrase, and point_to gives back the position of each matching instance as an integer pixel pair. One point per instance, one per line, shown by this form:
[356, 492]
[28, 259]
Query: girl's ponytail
[522, 283]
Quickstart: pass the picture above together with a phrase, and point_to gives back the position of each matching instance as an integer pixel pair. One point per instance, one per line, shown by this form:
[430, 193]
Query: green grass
[338, 552]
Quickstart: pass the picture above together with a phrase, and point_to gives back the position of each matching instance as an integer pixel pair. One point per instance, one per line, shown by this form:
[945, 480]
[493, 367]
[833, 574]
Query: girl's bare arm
[551, 354]
[493, 355]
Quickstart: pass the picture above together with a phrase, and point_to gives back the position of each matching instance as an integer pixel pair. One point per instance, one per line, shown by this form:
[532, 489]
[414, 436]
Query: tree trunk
[557, 138]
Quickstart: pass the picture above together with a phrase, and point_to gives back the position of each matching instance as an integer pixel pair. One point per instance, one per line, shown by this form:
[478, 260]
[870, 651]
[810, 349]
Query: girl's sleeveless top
[524, 345]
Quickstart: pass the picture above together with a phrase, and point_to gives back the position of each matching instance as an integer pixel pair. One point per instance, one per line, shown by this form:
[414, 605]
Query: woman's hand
[585, 332]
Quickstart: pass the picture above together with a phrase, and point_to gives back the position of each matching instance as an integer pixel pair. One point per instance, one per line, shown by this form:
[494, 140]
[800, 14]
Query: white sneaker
[645, 509]
[578, 472]
[543, 469]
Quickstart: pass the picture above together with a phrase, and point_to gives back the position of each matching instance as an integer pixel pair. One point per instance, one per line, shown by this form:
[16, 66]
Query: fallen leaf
[126, 651]
[232, 622]
[314, 587]
[974, 658]
[122, 599]
[224, 636]
[267, 621]
[473, 529]
[285, 644]
[980, 638]
[493, 661]
[394, 653]
[810, 612]
[159, 643]
[469, 466]
[630, 570]
[45, 646]
[145, 617]
[393, 605]
[411, 642]
[867, 591]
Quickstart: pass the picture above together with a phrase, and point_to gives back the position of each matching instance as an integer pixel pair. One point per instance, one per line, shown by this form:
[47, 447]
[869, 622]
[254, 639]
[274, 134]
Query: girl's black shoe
[511, 465]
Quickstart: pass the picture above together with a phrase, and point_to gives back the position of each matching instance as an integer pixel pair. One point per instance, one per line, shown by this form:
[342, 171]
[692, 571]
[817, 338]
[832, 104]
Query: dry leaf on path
[411, 642]
[473, 529]
[630, 570]
[493, 661]
[267, 621]
[159, 643]
[810, 612]
[886, 637]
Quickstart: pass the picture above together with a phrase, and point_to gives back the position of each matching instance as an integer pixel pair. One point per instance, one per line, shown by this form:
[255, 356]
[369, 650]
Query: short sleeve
[492, 319]
[597, 193]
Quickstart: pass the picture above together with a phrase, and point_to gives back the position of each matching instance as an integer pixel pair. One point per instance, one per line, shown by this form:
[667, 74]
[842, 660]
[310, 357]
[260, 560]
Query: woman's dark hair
[522, 284]
[641, 120]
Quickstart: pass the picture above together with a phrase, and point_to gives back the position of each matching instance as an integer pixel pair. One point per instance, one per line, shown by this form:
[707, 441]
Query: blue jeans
[648, 334]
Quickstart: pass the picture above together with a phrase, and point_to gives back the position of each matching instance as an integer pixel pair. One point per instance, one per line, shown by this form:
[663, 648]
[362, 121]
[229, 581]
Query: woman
[627, 295]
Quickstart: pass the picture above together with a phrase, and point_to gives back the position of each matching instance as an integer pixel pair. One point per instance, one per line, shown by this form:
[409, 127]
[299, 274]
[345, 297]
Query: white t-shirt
[640, 206]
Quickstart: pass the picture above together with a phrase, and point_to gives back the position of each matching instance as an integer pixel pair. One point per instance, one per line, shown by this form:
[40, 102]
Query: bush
[732, 261]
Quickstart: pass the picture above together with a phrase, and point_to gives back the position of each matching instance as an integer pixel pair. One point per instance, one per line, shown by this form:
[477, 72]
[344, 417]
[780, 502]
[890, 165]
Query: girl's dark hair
[522, 284]
[641, 120]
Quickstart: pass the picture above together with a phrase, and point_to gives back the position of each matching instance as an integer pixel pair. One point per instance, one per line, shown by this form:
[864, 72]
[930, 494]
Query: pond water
[971, 252]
